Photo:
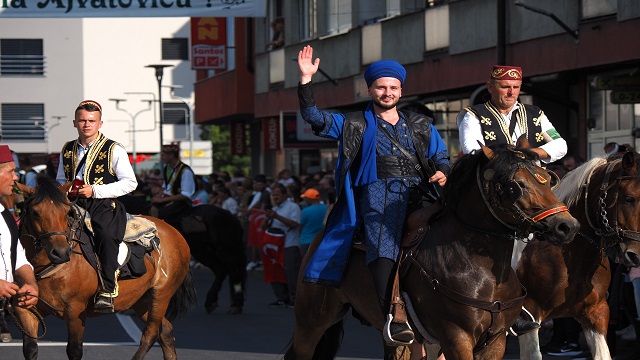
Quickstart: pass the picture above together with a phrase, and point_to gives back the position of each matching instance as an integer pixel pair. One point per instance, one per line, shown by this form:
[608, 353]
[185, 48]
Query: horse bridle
[609, 235]
[492, 193]
[74, 226]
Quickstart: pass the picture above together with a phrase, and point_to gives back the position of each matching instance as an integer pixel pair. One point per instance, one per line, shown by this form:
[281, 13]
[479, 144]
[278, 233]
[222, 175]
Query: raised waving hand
[307, 65]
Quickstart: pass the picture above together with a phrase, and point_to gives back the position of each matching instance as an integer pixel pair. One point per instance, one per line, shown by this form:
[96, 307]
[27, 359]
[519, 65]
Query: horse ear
[65, 188]
[523, 142]
[26, 190]
[629, 162]
[487, 152]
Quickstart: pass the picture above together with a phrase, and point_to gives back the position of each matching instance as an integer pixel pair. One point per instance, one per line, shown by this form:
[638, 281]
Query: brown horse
[67, 283]
[572, 280]
[458, 280]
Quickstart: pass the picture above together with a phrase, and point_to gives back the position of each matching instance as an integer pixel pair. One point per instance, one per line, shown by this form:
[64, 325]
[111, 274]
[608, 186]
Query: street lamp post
[47, 129]
[190, 117]
[159, 73]
[133, 126]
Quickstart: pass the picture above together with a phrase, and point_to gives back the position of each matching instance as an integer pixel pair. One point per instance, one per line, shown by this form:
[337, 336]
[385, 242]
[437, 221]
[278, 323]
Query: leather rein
[610, 234]
[490, 193]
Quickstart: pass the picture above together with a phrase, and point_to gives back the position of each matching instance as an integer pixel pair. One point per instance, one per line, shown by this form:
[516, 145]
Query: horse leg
[594, 323]
[75, 335]
[153, 324]
[211, 302]
[29, 324]
[530, 346]
[495, 350]
[167, 340]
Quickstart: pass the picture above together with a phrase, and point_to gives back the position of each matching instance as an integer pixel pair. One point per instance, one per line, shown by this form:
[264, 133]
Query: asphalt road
[260, 332]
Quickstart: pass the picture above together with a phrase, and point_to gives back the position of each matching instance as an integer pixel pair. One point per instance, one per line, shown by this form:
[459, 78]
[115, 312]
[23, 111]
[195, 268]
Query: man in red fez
[16, 274]
[101, 172]
[503, 119]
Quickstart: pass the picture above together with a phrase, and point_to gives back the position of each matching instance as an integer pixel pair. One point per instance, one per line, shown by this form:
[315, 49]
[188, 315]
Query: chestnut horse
[463, 292]
[572, 280]
[49, 232]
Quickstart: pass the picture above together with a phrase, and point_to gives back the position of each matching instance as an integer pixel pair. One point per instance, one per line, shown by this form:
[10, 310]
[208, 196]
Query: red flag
[256, 217]
[273, 256]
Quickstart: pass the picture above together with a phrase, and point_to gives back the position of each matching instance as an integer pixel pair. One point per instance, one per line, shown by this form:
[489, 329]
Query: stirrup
[386, 334]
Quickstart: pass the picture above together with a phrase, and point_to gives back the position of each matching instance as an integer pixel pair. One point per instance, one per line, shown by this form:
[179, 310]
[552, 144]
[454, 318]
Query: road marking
[130, 327]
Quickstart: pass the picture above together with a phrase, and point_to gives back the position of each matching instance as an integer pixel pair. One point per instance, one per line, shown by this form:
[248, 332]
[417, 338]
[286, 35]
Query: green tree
[221, 150]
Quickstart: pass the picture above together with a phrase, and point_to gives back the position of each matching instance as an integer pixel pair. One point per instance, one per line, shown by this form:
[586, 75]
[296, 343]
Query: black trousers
[109, 219]
[382, 271]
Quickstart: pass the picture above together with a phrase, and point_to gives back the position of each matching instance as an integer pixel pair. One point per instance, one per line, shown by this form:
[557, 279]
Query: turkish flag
[256, 217]
[273, 256]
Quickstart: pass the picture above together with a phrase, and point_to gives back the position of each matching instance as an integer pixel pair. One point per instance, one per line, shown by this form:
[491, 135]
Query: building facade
[582, 68]
[47, 66]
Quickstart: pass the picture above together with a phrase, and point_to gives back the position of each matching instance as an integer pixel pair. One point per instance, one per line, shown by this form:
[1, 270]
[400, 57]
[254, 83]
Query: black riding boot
[383, 274]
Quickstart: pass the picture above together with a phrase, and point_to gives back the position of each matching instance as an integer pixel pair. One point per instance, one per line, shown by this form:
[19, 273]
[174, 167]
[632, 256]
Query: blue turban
[384, 68]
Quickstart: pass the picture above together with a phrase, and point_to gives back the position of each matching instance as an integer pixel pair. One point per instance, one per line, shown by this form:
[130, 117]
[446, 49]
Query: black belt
[393, 166]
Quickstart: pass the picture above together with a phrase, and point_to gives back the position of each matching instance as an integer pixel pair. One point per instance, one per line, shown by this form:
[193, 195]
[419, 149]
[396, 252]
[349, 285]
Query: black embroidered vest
[496, 131]
[174, 181]
[97, 168]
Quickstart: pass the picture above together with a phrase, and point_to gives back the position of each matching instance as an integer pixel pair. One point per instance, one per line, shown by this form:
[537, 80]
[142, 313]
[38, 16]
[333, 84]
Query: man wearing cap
[179, 185]
[379, 151]
[16, 274]
[312, 219]
[503, 119]
[101, 172]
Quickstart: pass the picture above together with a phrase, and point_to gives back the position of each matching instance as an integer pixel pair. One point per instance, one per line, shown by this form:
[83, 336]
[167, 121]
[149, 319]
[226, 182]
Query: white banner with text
[131, 8]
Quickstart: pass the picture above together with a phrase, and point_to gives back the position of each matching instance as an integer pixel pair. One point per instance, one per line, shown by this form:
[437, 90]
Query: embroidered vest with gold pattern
[97, 168]
[495, 130]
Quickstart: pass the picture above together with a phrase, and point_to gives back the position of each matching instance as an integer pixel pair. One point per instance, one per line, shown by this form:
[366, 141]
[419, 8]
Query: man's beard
[385, 106]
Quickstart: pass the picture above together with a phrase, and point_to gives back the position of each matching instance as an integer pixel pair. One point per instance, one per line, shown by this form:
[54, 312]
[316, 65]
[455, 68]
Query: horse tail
[183, 300]
[330, 342]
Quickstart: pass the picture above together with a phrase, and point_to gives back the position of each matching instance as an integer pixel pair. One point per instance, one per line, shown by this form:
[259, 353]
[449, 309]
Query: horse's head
[616, 208]
[518, 194]
[46, 221]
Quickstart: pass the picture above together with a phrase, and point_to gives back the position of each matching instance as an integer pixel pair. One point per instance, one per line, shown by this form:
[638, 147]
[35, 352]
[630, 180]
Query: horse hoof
[211, 307]
[234, 310]
[5, 337]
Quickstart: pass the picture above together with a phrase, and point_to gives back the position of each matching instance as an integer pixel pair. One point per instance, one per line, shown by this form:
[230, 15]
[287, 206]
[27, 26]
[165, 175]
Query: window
[308, 19]
[21, 57]
[176, 113]
[175, 49]
[23, 122]
[393, 8]
[338, 16]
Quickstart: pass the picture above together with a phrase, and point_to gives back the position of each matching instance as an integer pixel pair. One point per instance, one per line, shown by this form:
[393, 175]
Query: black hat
[260, 178]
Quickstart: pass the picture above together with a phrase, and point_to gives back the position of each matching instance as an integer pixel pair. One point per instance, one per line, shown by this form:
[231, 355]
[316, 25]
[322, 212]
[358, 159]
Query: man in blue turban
[373, 177]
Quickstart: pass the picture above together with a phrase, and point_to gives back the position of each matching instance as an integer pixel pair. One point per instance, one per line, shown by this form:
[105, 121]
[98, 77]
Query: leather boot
[397, 331]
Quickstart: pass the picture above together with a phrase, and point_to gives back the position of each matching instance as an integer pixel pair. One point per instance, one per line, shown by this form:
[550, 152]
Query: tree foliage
[220, 137]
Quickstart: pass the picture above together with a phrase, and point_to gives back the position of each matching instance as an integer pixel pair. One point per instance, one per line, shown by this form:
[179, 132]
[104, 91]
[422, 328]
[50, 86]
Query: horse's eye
[522, 184]
[629, 199]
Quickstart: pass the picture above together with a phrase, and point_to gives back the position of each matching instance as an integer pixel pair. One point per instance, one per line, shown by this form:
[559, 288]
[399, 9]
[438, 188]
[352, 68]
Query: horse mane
[48, 189]
[463, 174]
[570, 189]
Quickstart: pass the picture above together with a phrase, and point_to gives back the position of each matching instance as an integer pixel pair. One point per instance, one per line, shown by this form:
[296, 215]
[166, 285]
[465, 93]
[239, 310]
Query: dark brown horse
[49, 233]
[572, 280]
[463, 291]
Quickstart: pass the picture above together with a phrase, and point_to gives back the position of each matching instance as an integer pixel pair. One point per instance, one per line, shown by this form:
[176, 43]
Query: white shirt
[187, 183]
[121, 166]
[289, 210]
[6, 272]
[470, 132]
